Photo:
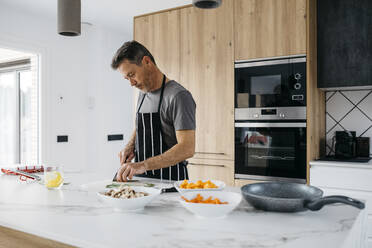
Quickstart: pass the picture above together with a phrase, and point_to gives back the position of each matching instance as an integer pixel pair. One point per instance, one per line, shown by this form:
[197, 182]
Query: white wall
[77, 69]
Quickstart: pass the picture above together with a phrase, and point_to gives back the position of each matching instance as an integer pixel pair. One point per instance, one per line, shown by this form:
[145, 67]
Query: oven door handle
[264, 157]
[270, 124]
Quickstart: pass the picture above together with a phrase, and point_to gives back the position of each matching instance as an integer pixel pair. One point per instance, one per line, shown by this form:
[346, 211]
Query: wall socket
[62, 138]
[112, 137]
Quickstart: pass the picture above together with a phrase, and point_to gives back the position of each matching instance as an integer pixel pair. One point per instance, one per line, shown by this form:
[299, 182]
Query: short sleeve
[183, 111]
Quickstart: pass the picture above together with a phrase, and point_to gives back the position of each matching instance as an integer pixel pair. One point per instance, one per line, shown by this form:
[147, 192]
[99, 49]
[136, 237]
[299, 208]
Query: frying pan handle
[318, 204]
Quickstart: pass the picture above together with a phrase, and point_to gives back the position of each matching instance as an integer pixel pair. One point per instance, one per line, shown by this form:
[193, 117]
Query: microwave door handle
[270, 61]
[268, 124]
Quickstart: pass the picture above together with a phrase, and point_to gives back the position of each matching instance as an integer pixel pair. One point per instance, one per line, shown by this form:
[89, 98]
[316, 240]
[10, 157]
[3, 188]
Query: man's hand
[127, 154]
[128, 170]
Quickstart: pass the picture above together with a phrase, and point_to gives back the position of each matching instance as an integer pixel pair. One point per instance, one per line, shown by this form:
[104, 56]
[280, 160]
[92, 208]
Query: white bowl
[133, 204]
[204, 210]
[220, 186]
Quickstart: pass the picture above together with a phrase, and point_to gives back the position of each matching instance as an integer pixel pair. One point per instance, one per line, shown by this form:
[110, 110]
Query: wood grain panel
[165, 10]
[205, 169]
[269, 28]
[241, 182]
[207, 70]
[12, 238]
[160, 34]
[315, 97]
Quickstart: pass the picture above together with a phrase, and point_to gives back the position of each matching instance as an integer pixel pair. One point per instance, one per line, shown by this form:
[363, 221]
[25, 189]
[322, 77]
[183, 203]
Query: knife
[168, 190]
[128, 181]
[28, 175]
[114, 179]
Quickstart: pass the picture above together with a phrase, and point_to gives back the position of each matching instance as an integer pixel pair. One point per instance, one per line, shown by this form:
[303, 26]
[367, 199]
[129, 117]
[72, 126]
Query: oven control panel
[283, 113]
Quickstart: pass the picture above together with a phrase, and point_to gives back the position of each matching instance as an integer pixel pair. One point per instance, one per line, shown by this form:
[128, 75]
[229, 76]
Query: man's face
[138, 75]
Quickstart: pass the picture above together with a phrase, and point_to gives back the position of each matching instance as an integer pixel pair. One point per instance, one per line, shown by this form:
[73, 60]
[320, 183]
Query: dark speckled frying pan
[291, 197]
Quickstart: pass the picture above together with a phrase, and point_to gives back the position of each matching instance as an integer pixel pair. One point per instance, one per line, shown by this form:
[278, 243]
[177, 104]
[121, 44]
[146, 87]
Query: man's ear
[146, 60]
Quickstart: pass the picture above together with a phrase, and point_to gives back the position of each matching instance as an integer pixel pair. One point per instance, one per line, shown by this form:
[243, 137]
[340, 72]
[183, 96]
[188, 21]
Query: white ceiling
[113, 14]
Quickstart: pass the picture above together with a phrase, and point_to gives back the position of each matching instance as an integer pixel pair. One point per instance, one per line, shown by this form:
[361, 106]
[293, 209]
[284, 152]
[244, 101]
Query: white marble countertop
[367, 165]
[74, 216]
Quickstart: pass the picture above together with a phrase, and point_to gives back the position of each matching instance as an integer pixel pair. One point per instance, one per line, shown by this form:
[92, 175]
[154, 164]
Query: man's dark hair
[132, 51]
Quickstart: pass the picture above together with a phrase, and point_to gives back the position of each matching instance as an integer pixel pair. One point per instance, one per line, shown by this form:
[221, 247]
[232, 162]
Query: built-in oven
[270, 82]
[270, 119]
[270, 150]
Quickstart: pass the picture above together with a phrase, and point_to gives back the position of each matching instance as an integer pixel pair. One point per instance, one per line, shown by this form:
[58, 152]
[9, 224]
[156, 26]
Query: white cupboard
[350, 179]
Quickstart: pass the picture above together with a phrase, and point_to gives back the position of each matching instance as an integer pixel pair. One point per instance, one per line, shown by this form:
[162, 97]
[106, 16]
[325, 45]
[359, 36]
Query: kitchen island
[74, 216]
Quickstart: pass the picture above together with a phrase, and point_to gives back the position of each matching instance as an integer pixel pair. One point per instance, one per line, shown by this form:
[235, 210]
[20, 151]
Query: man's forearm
[176, 154]
[132, 139]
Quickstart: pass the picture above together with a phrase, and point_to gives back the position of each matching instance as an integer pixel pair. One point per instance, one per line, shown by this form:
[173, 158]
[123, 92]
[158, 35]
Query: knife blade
[28, 175]
[114, 179]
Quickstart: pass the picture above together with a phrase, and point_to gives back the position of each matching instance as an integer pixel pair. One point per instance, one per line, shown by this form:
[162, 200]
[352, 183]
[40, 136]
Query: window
[19, 141]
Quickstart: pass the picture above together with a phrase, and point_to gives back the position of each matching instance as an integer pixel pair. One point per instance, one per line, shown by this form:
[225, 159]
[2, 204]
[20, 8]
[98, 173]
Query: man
[165, 120]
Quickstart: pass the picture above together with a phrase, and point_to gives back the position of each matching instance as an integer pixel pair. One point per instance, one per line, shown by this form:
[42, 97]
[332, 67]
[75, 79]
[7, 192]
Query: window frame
[17, 67]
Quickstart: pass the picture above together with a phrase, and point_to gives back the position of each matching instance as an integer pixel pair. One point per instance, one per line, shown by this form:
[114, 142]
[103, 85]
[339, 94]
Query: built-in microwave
[271, 82]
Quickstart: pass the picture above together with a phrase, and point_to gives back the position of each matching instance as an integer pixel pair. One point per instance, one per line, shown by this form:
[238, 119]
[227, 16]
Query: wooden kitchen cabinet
[207, 71]
[160, 34]
[205, 169]
[195, 47]
[198, 48]
[242, 182]
[315, 99]
[269, 28]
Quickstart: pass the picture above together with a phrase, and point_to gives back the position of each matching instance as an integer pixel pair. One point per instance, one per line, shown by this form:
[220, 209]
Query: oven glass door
[270, 85]
[270, 150]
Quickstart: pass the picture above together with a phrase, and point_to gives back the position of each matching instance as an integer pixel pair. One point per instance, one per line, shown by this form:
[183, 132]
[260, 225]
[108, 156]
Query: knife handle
[169, 190]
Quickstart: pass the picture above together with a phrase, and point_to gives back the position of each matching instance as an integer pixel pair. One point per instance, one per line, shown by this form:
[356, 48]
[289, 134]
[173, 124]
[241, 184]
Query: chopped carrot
[198, 185]
[199, 199]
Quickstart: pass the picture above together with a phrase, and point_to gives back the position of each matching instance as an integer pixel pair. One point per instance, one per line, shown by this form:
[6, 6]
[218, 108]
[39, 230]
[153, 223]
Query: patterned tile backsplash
[348, 110]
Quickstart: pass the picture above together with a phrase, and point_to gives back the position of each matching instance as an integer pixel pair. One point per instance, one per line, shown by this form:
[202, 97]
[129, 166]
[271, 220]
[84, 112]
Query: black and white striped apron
[150, 143]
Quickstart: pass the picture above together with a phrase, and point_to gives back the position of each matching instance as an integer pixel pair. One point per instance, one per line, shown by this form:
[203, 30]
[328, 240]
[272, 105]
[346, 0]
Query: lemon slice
[53, 180]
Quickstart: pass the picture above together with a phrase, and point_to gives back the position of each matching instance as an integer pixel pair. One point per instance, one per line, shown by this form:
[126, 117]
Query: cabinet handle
[214, 165]
[214, 153]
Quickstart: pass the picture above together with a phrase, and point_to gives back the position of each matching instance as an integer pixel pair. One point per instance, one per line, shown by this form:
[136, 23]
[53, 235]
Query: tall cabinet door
[207, 70]
[269, 28]
[160, 34]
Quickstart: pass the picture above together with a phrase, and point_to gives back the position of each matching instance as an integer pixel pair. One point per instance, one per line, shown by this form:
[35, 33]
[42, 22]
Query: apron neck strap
[161, 95]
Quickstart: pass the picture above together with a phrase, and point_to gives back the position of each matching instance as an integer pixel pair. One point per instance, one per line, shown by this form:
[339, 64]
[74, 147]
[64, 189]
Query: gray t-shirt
[177, 110]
